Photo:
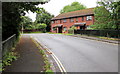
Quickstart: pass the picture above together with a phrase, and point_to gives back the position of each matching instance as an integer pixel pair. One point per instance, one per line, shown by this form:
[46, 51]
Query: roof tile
[82, 12]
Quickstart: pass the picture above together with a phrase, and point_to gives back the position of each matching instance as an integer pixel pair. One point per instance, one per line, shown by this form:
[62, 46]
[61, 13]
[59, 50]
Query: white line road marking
[62, 69]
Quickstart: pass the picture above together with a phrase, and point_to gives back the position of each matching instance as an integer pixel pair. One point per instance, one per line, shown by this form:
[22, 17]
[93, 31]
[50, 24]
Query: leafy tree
[41, 27]
[44, 17]
[11, 16]
[107, 15]
[26, 23]
[73, 7]
[102, 18]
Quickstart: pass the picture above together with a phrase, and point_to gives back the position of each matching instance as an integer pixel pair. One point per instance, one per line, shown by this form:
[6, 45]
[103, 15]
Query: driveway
[81, 55]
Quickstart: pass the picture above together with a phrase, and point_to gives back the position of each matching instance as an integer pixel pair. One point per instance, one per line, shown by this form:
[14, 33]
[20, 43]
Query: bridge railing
[8, 44]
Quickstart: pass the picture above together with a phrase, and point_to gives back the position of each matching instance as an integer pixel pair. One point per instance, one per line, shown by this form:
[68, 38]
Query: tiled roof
[82, 12]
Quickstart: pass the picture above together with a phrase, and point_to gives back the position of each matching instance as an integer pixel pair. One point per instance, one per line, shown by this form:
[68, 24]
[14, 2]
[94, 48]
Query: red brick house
[81, 19]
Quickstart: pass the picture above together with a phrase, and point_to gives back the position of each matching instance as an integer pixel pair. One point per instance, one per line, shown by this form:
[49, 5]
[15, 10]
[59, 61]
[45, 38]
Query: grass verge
[1, 66]
[10, 55]
[60, 33]
[8, 59]
[107, 38]
[101, 37]
[47, 66]
[33, 32]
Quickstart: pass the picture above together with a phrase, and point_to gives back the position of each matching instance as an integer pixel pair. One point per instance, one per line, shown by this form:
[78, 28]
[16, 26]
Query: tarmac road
[81, 55]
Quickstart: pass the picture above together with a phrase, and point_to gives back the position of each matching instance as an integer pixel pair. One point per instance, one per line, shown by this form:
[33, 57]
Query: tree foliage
[41, 27]
[11, 16]
[107, 15]
[43, 17]
[73, 7]
[102, 18]
[26, 22]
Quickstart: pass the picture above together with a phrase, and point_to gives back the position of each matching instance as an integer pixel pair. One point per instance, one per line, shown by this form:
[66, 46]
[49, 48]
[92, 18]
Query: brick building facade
[81, 19]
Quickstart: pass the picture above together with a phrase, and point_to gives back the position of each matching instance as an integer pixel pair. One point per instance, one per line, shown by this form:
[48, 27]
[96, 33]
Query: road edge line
[61, 67]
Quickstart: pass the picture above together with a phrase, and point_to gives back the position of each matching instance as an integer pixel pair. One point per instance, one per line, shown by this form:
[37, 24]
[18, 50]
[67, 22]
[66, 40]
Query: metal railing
[8, 44]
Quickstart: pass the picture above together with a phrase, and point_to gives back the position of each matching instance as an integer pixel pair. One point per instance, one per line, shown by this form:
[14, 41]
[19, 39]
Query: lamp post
[22, 28]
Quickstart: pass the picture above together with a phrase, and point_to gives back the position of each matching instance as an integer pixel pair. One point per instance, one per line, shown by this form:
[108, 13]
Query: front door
[82, 27]
[60, 29]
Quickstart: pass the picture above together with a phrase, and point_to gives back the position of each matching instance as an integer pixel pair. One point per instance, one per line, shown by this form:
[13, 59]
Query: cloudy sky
[54, 6]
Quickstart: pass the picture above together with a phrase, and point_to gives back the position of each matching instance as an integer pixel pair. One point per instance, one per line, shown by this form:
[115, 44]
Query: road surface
[81, 55]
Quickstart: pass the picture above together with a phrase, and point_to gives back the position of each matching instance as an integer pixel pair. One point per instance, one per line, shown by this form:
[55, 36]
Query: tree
[107, 15]
[44, 17]
[73, 7]
[102, 18]
[26, 23]
[11, 16]
[113, 6]
[41, 27]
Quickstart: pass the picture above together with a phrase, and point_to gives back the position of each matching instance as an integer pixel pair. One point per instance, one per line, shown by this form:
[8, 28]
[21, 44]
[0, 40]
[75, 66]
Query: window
[52, 22]
[64, 20]
[54, 28]
[56, 21]
[89, 18]
[76, 19]
[60, 21]
[71, 20]
[88, 27]
[65, 29]
[82, 18]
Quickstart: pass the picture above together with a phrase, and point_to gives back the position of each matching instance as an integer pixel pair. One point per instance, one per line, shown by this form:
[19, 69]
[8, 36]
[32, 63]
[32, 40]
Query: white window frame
[65, 28]
[72, 20]
[52, 22]
[89, 18]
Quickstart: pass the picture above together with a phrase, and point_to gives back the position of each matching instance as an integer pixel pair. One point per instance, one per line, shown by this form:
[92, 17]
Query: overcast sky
[54, 6]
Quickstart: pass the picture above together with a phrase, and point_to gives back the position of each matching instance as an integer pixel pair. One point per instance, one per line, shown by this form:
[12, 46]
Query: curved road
[81, 55]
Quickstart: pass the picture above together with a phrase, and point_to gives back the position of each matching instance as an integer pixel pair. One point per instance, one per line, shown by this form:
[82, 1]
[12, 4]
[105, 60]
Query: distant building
[81, 19]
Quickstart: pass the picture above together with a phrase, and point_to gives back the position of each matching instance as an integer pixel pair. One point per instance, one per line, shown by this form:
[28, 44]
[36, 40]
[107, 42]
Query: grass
[47, 66]
[0, 67]
[34, 32]
[8, 58]
[107, 38]
[116, 39]
[60, 33]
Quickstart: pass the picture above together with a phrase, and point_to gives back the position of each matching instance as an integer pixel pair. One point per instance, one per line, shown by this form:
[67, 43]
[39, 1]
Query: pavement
[78, 54]
[98, 39]
[30, 59]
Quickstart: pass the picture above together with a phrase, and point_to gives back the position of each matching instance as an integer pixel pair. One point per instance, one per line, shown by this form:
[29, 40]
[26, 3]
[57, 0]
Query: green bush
[71, 30]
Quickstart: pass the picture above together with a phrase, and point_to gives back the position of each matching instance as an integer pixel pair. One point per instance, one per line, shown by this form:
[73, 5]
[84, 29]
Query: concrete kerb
[51, 57]
[98, 39]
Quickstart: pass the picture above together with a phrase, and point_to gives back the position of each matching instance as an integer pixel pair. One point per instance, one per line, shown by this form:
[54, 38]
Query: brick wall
[68, 24]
